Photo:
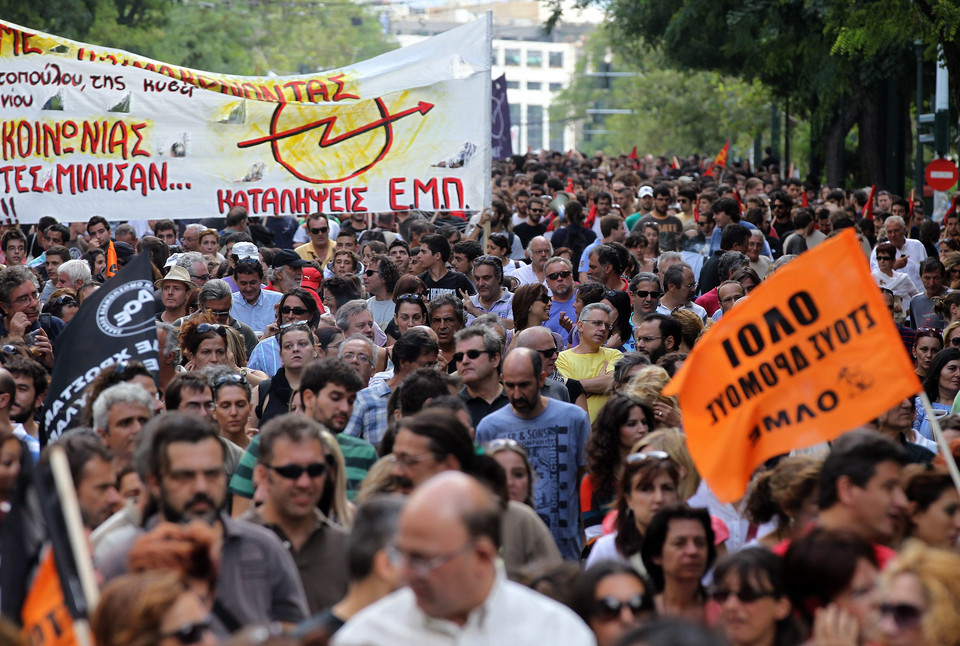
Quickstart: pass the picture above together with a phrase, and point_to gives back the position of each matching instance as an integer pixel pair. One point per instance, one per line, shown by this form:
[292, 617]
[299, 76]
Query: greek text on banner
[85, 129]
[811, 353]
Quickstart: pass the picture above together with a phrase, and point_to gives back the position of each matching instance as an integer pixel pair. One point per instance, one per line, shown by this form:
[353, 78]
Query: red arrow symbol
[328, 122]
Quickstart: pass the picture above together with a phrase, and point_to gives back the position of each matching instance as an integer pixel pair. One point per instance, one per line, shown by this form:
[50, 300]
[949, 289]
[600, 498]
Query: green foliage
[673, 111]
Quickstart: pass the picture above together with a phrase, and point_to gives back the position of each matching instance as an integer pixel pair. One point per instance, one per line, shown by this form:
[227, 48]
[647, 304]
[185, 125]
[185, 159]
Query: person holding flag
[99, 230]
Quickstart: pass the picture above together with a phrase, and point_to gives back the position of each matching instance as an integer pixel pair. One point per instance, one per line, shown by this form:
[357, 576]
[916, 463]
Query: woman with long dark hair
[941, 385]
[620, 424]
[621, 338]
[297, 305]
[604, 591]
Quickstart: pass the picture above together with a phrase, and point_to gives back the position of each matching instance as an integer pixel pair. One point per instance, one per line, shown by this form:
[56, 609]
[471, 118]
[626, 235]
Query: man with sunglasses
[184, 463]
[293, 471]
[477, 361]
[559, 274]
[320, 247]
[554, 433]
[532, 224]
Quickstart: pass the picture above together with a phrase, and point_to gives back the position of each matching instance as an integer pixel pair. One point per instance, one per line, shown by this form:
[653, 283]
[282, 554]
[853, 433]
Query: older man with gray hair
[360, 353]
[215, 299]
[190, 241]
[73, 274]
[193, 262]
[540, 251]
[589, 361]
[118, 415]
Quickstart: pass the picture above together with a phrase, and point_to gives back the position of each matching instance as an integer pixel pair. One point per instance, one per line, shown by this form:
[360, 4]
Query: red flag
[569, 185]
[591, 216]
[633, 153]
[736, 195]
[804, 202]
[720, 160]
[913, 194]
[763, 380]
[868, 209]
[676, 163]
[953, 203]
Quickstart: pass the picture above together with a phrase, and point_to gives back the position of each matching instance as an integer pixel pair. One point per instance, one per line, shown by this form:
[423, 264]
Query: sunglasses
[203, 328]
[743, 595]
[369, 272]
[189, 634]
[318, 230]
[609, 608]
[544, 299]
[229, 380]
[471, 354]
[294, 471]
[884, 258]
[410, 297]
[904, 615]
[636, 458]
[505, 443]
[559, 274]
[642, 294]
[299, 311]
[552, 352]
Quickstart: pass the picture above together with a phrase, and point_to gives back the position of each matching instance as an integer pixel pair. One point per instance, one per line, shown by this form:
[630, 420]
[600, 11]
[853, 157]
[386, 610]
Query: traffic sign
[941, 174]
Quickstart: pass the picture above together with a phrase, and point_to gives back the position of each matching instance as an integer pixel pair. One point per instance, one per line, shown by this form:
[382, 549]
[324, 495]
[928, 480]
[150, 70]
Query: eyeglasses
[228, 380]
[350, 356]
[408, 460]
[26, 299]
[66, 301]
[196, 406]
[637, 458]
[596, 323]
[216, 312]
[777, 205]
[644, 294]
[294, 471]
[609, 608]
[204, 277]
[559, 274]
[647, 339]
[318, 230]
[550, 353]
[298, 311]
[203, 328]
[422, 566]
[954, 341]
[471, 354]
[369, 272]
[691, 285]
[743, 595]
[544, 299]
[610, 294]
[879, 258]
[904, 615]
[189, 634]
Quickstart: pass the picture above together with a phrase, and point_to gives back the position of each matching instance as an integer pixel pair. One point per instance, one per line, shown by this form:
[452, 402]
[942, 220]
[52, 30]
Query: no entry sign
[941, 174]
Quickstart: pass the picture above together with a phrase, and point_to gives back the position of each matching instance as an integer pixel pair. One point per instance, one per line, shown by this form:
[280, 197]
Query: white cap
[245, 250]
[645, 191]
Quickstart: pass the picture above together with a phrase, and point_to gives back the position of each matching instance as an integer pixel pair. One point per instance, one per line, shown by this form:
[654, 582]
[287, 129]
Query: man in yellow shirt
[590, 362]
[320, 247]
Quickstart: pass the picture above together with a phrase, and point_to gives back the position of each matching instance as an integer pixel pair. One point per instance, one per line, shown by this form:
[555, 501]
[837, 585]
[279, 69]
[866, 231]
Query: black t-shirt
[450, 283]
[527, 232]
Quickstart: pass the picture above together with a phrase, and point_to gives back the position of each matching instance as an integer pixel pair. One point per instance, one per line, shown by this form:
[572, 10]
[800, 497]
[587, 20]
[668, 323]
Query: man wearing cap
[240, 251]
[320, 247]
[175, 290]
[645, 200]
[310, 280]
[287, 271]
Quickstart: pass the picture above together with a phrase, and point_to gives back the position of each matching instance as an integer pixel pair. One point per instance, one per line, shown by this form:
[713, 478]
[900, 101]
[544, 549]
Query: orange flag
[46, 619]
[720, 160]
[791, 366]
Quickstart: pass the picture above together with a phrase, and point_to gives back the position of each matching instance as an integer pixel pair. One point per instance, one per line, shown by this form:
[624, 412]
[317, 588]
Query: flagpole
[941, 440]
[77, 537]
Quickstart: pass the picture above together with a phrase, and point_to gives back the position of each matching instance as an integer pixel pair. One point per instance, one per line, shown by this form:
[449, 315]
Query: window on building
[534, 85]
[534, 58]
[535, 127]
[556, 59]
[511, 57]
[556, 87]
[513, 85]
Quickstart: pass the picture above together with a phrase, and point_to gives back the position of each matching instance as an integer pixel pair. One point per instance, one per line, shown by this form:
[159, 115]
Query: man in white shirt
[540, 251]
[678, 288]
[910, 253]
[457, 590]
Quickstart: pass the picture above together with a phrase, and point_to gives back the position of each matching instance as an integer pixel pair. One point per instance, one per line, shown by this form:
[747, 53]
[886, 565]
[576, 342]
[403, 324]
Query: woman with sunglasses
[231, 396]
[297, 305]
[678, 550]
[531, 307]
[612, 598]
[919, 598]
[754, 609]
[619, 425]
[298, 347]
[926, 344]
[62, 304]
[896, 281]
[151, 609]
[941, 384]
[648, 484]
[513, 457]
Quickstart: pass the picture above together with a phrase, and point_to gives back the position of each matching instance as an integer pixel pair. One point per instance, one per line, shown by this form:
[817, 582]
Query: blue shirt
[718, 233]
[556, 309]
[260, 314]
[266, 356]
[369, 419]
[554, 440]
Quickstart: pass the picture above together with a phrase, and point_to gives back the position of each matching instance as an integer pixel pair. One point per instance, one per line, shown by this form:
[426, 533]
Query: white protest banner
[88, 130]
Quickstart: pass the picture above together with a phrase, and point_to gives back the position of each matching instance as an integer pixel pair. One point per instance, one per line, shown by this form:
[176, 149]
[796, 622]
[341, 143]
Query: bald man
[541, 340]
[554, 434]
[447, 544]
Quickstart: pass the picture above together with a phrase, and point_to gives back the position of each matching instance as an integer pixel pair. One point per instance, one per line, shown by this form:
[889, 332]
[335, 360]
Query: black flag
[500, 120]
[115, 323]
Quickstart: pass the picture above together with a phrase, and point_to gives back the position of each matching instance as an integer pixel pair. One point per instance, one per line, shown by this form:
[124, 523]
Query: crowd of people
[439, 428]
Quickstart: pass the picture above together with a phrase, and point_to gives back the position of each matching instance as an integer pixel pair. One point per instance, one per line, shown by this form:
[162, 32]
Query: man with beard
[94, 476]
[258, 581]
[554, 434]
[657, 335]
[328, 389]
[31, 380]
[531, 226]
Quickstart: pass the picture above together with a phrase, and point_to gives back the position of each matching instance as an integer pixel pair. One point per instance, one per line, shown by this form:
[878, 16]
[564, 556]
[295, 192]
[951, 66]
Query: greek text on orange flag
[810, 354]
